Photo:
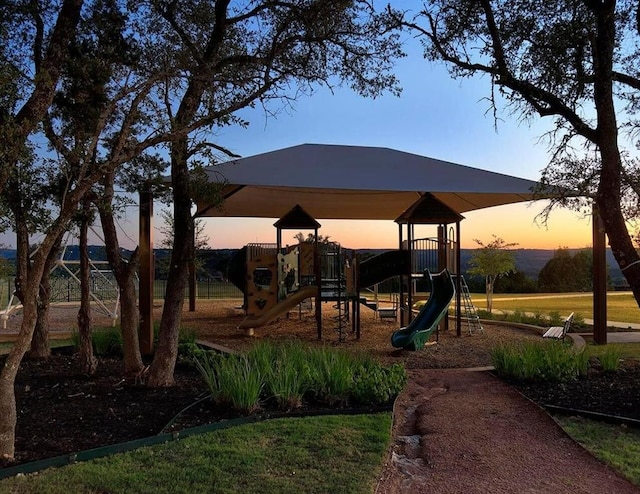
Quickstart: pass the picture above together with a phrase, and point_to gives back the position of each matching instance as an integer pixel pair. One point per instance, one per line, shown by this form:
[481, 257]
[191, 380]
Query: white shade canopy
[354, 182]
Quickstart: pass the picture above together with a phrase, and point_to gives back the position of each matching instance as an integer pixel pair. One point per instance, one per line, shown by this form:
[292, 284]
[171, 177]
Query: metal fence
[208, 289]
[68, 290]
[6, 289]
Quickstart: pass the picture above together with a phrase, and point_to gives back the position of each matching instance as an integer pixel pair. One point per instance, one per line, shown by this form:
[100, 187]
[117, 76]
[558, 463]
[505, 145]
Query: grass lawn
[621, 306]
[614, 444]
[296, 455]
[623, 350]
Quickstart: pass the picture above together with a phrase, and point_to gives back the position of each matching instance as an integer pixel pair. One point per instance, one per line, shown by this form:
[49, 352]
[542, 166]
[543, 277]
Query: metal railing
[427, 251]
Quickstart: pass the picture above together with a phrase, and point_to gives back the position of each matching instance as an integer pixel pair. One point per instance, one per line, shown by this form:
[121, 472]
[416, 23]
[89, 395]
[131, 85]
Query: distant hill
[528, 261]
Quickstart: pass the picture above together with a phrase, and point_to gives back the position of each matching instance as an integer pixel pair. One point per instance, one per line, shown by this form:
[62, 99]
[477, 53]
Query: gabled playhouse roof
[355, 182]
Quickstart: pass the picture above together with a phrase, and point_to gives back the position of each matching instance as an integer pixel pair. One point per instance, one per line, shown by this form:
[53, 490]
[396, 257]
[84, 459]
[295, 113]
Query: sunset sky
[435, 116]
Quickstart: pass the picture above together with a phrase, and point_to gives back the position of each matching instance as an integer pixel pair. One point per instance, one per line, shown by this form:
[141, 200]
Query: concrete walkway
[623, 337]
[617, 324]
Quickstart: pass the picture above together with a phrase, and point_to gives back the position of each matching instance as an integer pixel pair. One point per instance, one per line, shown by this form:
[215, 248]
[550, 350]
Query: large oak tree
[242, 53]
[574, 61]
[196, 63]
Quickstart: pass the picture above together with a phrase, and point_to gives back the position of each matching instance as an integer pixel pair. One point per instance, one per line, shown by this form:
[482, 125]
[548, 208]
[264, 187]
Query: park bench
[559, 332]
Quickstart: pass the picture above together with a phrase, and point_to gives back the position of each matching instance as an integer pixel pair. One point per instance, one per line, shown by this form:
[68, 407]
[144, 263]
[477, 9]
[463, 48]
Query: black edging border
[102, 451]
[597, 416]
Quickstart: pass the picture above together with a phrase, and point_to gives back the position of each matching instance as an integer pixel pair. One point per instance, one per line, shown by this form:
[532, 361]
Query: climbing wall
[262, 283]
[288, 281]
[306, 272]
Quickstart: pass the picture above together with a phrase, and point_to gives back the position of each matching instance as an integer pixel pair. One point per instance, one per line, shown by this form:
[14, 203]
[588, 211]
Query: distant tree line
[566, 271]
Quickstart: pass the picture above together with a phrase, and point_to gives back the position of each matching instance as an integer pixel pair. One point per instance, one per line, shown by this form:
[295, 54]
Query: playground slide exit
[416, 334]
[279, 309]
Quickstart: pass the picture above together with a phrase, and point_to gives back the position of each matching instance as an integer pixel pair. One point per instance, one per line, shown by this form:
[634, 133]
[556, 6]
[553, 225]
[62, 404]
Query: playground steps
[384, 311]
[218, 348]
[371, 304]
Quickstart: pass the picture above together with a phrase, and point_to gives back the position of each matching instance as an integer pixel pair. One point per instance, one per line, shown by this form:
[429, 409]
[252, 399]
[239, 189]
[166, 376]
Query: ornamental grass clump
[241, 383]
[539, 361]
[375, 384]
[286, 372]
[610, 359]
[105, 341]
[232, 380]
[331, 373]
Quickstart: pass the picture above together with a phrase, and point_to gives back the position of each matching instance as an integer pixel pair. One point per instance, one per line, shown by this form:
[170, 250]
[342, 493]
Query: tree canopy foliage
[112, 84]
[567, 271]
[491, 261]
[576, 62]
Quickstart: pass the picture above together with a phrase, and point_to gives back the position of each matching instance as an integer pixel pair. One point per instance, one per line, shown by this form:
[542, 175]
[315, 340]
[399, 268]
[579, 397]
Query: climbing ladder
[334, 286]
[470, 312]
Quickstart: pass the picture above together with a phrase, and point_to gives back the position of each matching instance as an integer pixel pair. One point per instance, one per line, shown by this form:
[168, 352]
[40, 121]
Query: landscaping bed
[61, 411]
[610, 393]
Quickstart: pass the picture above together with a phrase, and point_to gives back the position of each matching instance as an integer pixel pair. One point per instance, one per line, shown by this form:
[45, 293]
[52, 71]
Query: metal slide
[416, 334]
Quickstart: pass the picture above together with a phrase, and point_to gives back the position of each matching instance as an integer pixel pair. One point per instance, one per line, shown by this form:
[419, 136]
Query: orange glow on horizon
[513, 223]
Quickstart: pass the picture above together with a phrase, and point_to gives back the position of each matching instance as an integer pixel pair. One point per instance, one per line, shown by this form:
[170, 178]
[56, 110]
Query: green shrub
[538, 318]
[189, 352]
[555, 319]
[539, 361]
[374, 384]
[105, 341]
[578, 320]
[187, 336]
[516, 316]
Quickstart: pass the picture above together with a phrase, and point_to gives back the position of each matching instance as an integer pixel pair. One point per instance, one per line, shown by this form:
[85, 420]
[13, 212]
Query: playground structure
[347, 182]
[275, 279]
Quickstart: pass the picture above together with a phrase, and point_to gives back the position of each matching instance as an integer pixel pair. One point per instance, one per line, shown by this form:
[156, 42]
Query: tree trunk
[7, 418]
[129, 322]
[12, 363]
[87, 361]
[489, 282]
[164, 360]
[608, 195]
[125, 273]
[40, 348]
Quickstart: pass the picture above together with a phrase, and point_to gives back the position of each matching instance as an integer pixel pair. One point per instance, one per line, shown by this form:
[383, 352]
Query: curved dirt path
[457, 431]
